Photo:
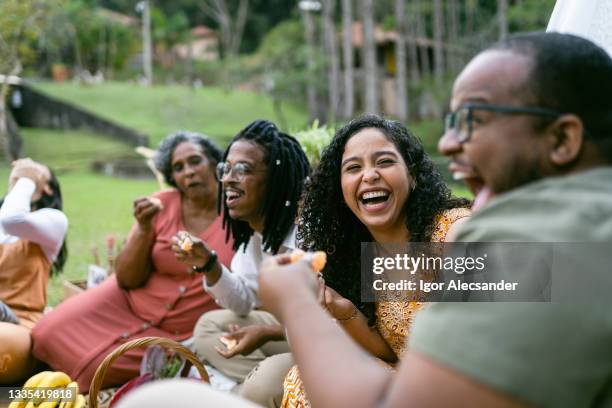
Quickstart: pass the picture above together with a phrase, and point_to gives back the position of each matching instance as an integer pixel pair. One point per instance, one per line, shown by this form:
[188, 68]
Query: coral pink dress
[79, 333]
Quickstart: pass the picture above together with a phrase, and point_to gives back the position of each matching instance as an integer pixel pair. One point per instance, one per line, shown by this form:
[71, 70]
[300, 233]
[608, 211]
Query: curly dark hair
[328, 224]
[288, 169]
[163, 158]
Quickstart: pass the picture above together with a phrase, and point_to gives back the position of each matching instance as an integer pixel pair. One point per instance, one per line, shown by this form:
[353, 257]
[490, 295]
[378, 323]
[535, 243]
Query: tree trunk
[400, 61]
[413, 50]
[454, 57]
[469, 17]
[329, 30]
[347, 54]
[438, 41]
[369, 57]
[502, 13]
[422, 32]
[311, 92]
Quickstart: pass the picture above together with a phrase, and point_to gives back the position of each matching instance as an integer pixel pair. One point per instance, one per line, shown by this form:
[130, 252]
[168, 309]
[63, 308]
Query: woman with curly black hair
[374, 183]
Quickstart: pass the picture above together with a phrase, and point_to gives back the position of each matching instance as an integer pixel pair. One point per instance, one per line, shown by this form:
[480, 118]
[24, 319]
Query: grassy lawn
[159, 110]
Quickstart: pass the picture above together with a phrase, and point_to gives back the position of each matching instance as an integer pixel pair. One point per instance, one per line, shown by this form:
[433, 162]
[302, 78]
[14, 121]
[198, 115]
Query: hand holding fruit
[190, 249]
[145, 209]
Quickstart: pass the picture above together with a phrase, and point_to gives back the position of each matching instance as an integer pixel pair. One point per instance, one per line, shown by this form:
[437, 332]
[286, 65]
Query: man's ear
[568, 134]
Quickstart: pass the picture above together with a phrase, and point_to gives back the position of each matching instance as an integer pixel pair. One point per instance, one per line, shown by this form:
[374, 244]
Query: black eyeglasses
[461, 120]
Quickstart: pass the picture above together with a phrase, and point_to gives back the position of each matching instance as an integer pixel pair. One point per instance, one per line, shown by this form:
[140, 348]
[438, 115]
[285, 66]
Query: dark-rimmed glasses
[461, 120]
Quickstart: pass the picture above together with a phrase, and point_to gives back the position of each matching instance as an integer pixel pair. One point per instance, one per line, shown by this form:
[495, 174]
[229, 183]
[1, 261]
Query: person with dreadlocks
[32, 247]
[262, 177]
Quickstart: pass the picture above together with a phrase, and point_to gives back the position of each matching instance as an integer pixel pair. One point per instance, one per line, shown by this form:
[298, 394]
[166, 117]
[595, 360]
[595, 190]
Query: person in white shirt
[590, 19]
[262, 177]
[32, 246]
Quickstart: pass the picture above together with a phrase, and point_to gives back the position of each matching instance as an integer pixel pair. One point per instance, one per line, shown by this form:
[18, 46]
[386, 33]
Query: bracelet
[351, 317]
[212, 260]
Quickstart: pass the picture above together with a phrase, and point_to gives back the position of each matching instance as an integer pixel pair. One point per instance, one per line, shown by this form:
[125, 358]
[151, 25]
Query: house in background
[203, 45]
[387, 67]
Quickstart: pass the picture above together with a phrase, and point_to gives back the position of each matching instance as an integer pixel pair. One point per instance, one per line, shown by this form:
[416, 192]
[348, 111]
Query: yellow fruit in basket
[67, 403]
[36, 379]
[32, 382]
[55, 379]
[79, 402]
[48, 404]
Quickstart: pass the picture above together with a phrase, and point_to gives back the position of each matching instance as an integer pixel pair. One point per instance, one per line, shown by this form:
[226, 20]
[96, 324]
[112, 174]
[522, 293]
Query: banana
[48, 404]
[68, 403]
[32, 382]
[55, 379]
[36, 379]
[79, 402]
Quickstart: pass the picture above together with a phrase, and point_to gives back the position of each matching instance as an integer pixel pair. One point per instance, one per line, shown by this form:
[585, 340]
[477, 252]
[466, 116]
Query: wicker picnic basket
[169, 344]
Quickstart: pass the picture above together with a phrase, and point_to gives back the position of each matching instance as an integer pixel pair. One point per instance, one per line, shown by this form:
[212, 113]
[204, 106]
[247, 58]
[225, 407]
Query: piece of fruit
[156, 202]
[79, 402]
[319, 259]
[55, 379]
[316, 259]
[187, 244]
[34, 380]
[228, 342]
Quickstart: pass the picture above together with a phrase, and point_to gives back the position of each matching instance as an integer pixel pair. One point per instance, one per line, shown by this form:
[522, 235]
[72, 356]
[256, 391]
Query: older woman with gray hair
[151, 293]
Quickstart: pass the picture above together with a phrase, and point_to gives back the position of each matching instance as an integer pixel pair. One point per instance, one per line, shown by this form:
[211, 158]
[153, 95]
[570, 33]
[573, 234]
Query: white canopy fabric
[591, 19]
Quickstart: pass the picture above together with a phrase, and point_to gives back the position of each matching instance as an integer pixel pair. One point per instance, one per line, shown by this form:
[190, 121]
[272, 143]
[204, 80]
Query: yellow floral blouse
[393, 319]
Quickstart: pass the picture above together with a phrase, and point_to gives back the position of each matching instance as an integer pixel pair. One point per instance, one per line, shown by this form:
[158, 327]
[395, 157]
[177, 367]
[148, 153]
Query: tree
[502, 14]
[309, 33]
[21, 22]
[347, 54]
[400, 60]
[438, 41]
[231, 26]
[453, 35]
[421, 28]
[413, 49]
[329, 32]
[369, 57]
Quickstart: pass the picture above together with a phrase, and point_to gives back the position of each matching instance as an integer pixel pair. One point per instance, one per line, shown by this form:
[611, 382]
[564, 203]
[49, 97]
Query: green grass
[159, 110]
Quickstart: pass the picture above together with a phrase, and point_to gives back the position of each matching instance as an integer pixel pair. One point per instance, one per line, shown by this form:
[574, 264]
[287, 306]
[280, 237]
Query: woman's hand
[145, 209]
[195, 254]
[247, 338]
[36, 172]
[339, 307]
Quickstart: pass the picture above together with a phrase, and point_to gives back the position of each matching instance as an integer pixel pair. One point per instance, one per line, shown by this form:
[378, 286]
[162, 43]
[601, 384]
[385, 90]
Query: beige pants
[180, 393]
[260, 373]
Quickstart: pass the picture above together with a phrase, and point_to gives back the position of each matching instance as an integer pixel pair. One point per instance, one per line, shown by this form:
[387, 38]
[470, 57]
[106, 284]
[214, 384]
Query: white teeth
[459, 175]
[231, 194]
[373, 194]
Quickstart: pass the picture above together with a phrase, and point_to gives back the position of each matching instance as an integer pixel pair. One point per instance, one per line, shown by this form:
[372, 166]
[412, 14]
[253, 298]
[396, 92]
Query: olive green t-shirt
[547, 354]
